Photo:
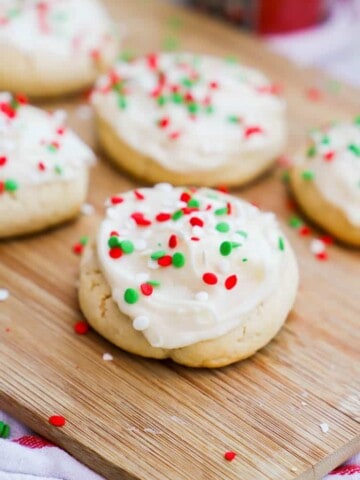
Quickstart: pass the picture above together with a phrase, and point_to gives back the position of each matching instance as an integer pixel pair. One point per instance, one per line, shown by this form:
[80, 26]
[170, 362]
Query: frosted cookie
[53, 47]
[326, 180]
[189, 119]
[197, 276]
[43, 168]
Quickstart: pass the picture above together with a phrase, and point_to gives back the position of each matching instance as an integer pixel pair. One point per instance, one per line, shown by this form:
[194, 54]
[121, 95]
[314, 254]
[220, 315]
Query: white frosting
[36, 146]
[336, 168]
[184, 309]
[206, 140]
[65, 28]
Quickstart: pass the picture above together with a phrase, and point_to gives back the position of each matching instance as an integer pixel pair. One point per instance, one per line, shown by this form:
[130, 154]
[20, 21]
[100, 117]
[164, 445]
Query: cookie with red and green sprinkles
[326, 179]
[43, 168]
[195, 275]
[189, 119]
[54, 47]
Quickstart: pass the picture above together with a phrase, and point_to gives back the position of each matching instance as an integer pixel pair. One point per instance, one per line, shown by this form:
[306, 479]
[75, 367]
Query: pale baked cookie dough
[197, 276]
[326, 180]
[43, 168]
[54, 47]
[189, 119]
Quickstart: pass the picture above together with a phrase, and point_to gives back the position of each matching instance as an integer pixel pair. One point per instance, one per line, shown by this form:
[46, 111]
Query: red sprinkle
[327, 240]
[214, 85]
[140, 220]
[146, 289]
[210, 278]
[139, 195]
[304, 231]
[164, 122]
[195, 239]
[322, 256]
[95, 54]
[313, 94]
[7, 110]
[41, 166]
[60, 131]
[185, 197]
[162, 217]
[174, 135]
[229, 208]
[329, 156]
[3, 160]
[249, 131]
[22, 99]
[229, 456]
[230, 282]
[152, 60]
[114, 233]
[81, 328]
[78, 248]
[57, 420]
[173, 241]
[116, 200]
[222, 188]
[165, 261]
[2, 187]
[196, 221]
[115, 252]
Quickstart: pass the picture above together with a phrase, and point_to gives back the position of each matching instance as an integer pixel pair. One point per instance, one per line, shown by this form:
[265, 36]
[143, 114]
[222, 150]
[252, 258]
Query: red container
[270, 16]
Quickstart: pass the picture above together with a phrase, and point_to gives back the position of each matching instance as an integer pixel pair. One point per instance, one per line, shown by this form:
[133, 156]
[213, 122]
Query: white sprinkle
[152, 264]
[303, 404]
[317, 246]
[84, 112]
[142, 277]
[140, 244]
[224, 266]
[141, 323]
[197, 231]
[60, 116]
[87, 209]
[293, 469]
[201, 296]
[4, 294]
[324, 427]
[107, 357]
[164, 187]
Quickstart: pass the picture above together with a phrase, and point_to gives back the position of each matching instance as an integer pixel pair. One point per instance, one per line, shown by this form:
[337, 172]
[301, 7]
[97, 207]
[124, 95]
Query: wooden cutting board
[133, 418]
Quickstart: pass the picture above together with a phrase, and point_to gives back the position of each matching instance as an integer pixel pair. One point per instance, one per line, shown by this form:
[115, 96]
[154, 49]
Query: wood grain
[137, 419]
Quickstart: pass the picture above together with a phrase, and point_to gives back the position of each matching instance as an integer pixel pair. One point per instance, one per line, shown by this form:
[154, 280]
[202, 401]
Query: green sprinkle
[170, 44]
[52, 148]
[225, 248]
[194, 202]
[176, 215]
[113, 242]
[242, 233]
[233, 119]
[127, 246]
[355, 149]
[127, 56]
[231, 59]
[84, 240]
[308, 175]
[187, 82]
[58, 169]
[154, 283]
[209, 109]
[178, 260]
[222, 227]
[295, 222]
[176, 97]
[235, 245]
[131, 296]
[285, 177]
[311, 152]
[122, 103]
[244, 260]
[221, 211]
[175, 22]
[325, 140]
[13, 12]
[357, 120]
[161, 100]
[4, 430]
[158, 254]
[281, 244]
[193, 108]
[11, 185]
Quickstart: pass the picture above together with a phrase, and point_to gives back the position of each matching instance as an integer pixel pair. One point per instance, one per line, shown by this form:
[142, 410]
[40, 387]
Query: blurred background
[321, 33]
